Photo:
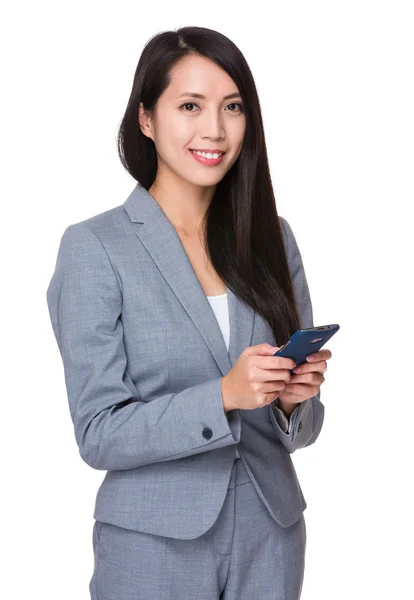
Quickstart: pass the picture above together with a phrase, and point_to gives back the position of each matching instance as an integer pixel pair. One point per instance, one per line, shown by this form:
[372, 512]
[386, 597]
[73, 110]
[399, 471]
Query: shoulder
[107, 230]
[286, 231]
[104, 225]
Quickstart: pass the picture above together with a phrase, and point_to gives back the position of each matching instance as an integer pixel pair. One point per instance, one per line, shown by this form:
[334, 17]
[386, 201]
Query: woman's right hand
[256, 378]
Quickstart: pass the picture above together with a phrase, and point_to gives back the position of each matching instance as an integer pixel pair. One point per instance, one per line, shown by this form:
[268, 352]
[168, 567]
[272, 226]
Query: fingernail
[311, 357]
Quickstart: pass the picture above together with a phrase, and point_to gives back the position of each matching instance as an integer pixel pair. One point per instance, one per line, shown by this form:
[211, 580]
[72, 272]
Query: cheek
[237, 130]
[172, 138]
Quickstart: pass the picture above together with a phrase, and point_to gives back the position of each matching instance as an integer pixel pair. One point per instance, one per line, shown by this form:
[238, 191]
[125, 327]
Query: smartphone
[306, 341]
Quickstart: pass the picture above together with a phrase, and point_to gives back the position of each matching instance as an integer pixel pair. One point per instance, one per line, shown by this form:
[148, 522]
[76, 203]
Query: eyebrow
[194, 95]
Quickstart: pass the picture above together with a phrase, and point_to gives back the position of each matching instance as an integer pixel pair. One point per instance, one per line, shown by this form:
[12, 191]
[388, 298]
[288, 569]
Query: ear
[145, 122]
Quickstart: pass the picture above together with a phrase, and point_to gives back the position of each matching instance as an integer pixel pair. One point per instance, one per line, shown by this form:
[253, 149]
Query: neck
[184, 207]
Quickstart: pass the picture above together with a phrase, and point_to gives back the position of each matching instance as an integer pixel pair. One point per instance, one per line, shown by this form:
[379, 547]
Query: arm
[114, 427]
[307, 418]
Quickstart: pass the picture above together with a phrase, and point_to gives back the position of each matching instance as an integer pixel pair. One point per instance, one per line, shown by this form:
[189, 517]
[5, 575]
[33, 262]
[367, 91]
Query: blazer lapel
[163, 243]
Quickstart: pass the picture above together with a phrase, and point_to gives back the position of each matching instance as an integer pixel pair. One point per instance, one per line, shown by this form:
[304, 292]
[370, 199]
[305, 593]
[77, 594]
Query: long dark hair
[242, 229]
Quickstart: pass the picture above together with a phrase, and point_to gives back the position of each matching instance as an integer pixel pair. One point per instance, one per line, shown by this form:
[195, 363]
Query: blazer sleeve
[307, 419]
[114, 427]
[284, 422]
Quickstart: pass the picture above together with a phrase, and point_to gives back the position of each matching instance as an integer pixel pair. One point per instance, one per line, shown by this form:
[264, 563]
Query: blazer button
[207, 433]
[300, 427]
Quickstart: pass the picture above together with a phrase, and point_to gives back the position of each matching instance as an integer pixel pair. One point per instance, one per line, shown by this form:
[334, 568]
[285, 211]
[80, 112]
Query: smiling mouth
[211, 161]
[221, 152]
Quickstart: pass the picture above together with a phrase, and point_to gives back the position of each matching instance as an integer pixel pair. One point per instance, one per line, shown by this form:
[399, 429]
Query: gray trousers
[244, 555]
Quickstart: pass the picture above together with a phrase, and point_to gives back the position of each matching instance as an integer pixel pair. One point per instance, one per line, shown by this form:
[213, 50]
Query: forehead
[200, 75]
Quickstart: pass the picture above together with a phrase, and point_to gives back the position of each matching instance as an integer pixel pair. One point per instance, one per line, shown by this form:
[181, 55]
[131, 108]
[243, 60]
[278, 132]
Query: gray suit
[143, 358]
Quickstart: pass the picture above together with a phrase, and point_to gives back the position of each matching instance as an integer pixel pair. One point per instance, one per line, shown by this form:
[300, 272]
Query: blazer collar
[163, 243]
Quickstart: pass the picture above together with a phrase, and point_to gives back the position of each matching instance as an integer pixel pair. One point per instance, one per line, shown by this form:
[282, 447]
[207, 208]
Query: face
[183, 123]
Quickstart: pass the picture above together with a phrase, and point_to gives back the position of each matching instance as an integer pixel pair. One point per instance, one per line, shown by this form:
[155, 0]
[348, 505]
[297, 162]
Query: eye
[188, 104]
[236, 104]
[194, 104]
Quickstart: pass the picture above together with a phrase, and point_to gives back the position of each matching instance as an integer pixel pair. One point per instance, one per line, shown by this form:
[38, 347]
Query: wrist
[286, 407]
[225, 395]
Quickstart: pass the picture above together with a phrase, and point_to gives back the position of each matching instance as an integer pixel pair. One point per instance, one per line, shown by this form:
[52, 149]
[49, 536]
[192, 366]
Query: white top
[221, 310]
[220, 307]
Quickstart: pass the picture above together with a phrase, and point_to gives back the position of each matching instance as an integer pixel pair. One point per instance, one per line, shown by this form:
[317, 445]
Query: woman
[167, 310]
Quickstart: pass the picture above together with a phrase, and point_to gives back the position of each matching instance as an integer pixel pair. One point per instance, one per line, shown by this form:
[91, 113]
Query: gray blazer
[143, 358]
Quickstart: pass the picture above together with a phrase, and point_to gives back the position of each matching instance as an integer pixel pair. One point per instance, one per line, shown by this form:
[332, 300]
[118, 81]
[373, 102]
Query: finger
[324, 354]
[304, 390]
[260, 350]
[313, 366]
[269, 375]
[291, 396]
[273, 362]
[313, 378]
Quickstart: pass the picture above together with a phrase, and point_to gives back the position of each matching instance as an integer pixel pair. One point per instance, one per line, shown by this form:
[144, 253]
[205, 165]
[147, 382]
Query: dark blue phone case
[306, 341]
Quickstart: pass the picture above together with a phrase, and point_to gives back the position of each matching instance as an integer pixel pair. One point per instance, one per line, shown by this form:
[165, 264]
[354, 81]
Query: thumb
[262, 349]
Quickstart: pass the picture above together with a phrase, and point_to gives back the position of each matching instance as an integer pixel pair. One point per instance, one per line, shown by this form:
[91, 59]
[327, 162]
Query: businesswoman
[167, 310]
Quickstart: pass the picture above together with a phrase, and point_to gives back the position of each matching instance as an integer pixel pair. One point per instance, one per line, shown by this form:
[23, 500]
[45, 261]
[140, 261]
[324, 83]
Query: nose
[213, 126]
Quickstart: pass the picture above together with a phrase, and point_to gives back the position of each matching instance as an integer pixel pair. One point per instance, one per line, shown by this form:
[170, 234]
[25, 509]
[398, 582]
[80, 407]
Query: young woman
[167, 310]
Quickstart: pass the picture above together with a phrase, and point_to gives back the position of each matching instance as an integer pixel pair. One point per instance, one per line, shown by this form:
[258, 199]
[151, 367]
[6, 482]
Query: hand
[256, 379]
[306, 381]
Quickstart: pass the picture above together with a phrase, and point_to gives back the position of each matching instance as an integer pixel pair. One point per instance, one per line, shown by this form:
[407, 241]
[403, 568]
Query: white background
[335, 82]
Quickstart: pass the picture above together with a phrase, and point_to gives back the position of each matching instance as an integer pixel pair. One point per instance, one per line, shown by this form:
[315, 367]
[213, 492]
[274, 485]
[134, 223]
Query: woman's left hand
[307, 382]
